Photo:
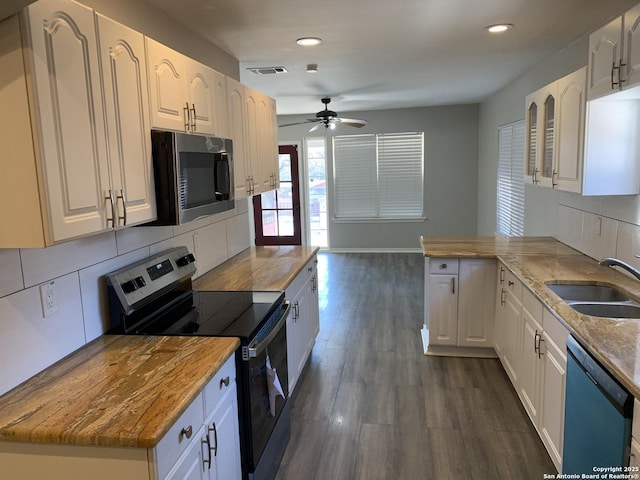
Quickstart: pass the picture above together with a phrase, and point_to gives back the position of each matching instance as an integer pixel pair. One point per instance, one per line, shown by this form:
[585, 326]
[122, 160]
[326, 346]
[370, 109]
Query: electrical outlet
[49, 299]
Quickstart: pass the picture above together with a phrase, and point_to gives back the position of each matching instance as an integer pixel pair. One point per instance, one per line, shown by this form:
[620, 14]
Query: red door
[277, 213]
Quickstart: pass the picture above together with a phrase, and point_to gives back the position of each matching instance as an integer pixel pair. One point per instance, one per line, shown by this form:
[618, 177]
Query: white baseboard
[373, 250]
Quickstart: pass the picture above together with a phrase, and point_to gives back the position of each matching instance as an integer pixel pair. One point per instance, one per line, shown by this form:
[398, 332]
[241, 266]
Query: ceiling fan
[329, 119]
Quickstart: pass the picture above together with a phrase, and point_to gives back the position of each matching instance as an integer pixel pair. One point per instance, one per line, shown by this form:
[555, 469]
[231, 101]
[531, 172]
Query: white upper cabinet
[555, 123]
[569, 152]
[605, 52]
[614, 55]
[237, 132]
[541, 135]
[70, 117]
[124, 76]
[185, 95]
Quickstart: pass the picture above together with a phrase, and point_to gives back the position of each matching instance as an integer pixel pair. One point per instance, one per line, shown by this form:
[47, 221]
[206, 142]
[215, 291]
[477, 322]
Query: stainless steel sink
[597, 300]
[611, 310]
[576, 292]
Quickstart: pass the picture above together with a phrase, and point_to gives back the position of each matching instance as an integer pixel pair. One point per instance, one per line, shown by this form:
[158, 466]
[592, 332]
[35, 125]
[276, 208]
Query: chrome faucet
[614, 262]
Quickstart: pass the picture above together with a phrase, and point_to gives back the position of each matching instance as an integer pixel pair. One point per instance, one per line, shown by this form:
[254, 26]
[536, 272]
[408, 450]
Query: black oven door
[265, 401]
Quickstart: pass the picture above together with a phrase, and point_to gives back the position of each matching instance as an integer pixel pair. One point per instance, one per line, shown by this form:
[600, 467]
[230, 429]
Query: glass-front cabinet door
[540, 136]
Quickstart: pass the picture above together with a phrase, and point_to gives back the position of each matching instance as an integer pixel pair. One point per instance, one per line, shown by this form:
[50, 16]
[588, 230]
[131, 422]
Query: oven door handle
[258, 348]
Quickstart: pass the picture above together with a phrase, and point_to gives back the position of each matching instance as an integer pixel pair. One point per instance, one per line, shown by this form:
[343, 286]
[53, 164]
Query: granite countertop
[537, 261]
[258, 268]
[124, 391]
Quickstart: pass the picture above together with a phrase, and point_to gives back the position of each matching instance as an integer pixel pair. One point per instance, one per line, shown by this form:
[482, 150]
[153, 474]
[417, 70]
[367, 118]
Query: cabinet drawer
[512, 284]
[179, 437]
[448, 266]
[555, 330]
[532, 304]
[219, 385]
[307, 271]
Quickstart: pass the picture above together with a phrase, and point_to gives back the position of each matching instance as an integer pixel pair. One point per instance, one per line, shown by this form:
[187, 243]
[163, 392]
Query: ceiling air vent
[267, 70]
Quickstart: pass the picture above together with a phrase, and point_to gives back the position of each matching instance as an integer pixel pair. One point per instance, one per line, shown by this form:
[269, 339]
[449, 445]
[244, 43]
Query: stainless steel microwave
[193, 176]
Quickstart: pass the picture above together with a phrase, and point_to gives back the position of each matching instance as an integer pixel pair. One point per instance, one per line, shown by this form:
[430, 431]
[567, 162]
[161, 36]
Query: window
[510, 195]
[379, 176]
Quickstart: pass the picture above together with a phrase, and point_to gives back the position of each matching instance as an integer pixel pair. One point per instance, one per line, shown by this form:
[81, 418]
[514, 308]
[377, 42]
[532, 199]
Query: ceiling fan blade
[308, 120]
[315, 127]
[352, 122]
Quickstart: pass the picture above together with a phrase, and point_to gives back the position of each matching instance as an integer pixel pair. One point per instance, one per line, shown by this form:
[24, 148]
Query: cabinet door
[530, 368]
[167, 94]
[500, 313]
[552, 411]
[70, 116]
[293, 347]
[443, 309]
[567, 175]
[252, 122]
[631, 47]
[267, 148]
[511, 338]
[236, 127]
[200, 83]
[476, 303]
[190, 465]
[531, 139]
[124, 75]
[605, 50]
[224, 438]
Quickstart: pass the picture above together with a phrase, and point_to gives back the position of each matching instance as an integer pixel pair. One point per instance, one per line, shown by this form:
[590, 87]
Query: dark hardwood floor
[372, 406]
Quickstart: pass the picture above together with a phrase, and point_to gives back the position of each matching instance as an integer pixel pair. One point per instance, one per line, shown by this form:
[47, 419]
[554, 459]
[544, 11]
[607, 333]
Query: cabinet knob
[511, 284]
[443, 266]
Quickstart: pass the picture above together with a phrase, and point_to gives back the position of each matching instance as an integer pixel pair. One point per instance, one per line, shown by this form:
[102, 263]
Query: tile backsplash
[31, 342]
[599, 236]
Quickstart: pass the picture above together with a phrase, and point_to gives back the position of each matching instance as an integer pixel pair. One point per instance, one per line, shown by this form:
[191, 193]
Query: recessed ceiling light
[309, 41]
[499, 28]
[312, 68]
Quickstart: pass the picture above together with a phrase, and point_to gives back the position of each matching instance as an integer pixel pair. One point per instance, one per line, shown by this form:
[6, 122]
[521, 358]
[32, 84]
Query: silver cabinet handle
[206, 441]
[187, 120]
[501, 275]
[502, 297]
[540, 353]
[443, 266]
[453, 285]
[124, 207]
[215, 438]
[185, 432]
[224, 382]
[620, 70]
[314, 284]
[193, 118]
[554, 174]
[108, 196]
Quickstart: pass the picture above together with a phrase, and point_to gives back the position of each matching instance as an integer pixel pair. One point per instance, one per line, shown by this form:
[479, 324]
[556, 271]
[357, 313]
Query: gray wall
[451, 171]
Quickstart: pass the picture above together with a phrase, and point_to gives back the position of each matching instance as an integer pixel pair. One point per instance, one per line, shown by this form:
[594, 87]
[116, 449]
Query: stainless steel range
[155, 297]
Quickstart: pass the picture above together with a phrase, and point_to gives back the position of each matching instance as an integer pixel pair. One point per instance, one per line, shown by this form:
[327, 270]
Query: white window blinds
[379, 176]
[510, 192]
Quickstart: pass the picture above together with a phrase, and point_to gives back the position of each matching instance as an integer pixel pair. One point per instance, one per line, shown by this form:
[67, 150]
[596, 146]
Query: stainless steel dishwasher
[597, 419]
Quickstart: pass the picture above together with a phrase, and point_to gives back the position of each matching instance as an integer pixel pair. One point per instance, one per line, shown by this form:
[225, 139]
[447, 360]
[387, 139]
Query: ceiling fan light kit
[312, 68]
[329, 119]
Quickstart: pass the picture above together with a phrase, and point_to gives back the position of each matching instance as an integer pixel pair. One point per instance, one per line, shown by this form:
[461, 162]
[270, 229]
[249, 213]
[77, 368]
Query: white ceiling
[388, 54]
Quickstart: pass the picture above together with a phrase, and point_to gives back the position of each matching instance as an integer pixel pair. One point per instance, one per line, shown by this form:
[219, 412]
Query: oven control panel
[145, 279]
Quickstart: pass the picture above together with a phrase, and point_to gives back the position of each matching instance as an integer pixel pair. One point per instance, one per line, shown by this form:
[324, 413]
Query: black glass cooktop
[219, 314]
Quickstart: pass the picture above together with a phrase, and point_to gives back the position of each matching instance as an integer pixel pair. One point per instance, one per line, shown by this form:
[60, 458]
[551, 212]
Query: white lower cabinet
[203, 444]
[459, 304]
[303, 322]
[531, 344]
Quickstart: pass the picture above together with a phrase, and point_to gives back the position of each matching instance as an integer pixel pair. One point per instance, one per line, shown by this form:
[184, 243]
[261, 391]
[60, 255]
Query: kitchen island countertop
[538, 261]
